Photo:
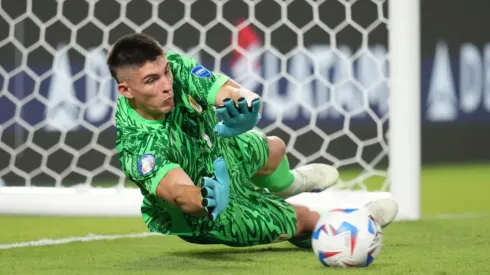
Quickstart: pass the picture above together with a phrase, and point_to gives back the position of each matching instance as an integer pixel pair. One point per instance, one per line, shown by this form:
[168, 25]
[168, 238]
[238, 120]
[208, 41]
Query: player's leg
[264, 219]
[262, 229]
[381, 206]
[256, 219]
[307, 220]
[265, 161]
[307, 178]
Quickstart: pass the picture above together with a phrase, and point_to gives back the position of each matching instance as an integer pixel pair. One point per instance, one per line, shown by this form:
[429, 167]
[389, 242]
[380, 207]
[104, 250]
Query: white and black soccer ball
[347, 238]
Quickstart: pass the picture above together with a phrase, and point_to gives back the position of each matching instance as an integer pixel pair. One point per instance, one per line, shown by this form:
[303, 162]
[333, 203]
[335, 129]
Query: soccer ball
[347, 238]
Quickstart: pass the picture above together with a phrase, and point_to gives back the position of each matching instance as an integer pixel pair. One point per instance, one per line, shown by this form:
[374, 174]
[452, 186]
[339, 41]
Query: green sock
[279, 180]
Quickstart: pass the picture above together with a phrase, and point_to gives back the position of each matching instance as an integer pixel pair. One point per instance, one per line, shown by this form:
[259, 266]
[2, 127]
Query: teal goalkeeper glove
[237, 119]
[216, 191]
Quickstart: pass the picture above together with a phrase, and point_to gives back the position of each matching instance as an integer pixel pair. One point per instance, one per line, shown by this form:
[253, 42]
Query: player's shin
[286, 183]
[279, 180]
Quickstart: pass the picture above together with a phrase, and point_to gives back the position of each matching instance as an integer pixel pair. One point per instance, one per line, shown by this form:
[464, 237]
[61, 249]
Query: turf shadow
[238, 253]
[207, 259]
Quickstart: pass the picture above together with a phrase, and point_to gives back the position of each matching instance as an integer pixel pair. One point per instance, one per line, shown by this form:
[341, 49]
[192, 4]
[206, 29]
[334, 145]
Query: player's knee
[277, 150]
[277, 147]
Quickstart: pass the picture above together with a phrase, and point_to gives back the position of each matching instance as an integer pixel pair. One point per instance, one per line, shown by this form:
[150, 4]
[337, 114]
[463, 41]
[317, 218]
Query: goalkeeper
[207, 181]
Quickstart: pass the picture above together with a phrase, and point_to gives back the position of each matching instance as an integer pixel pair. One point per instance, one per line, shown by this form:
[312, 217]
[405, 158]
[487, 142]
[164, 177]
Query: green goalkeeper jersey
[149, 149]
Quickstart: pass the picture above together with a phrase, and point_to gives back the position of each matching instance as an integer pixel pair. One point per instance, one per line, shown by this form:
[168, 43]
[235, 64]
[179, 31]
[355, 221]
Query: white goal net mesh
[321, 67]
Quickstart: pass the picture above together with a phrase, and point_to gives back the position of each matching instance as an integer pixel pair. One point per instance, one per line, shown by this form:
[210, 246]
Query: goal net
[320, 66]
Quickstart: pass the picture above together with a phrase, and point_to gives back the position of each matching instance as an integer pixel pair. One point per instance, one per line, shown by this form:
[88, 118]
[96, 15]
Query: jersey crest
[201, 71]
[146, 164]
[194, 104]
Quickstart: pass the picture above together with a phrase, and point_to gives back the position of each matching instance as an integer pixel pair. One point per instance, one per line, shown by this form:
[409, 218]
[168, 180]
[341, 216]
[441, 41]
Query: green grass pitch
[434, 245]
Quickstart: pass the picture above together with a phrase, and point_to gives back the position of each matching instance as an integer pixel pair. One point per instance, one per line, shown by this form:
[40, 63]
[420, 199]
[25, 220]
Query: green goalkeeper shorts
[253, 215]
[252, 152]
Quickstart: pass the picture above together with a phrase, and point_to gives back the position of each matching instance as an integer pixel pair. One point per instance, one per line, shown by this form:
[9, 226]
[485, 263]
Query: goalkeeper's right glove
[215, 191]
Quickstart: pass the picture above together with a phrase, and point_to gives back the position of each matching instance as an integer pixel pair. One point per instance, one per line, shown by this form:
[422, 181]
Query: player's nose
[166, 86]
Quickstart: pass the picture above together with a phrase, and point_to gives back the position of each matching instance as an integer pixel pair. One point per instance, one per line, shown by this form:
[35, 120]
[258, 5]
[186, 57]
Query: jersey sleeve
[199, 82]
[146, 162]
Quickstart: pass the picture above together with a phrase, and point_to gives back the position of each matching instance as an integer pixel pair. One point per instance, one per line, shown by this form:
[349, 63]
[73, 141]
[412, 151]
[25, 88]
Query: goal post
[405, 125]
[320, 66]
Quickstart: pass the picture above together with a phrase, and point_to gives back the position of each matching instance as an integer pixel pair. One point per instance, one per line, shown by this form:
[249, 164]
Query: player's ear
[123, 89]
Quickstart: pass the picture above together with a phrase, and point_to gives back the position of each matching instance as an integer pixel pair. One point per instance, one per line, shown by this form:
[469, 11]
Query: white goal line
[94, 237]
[88, 238]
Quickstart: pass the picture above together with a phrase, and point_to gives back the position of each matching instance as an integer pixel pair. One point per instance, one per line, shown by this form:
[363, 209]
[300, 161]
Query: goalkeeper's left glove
[237, 119]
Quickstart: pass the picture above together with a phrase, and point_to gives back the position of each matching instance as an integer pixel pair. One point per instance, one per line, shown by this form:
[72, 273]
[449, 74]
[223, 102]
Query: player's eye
[151, 80]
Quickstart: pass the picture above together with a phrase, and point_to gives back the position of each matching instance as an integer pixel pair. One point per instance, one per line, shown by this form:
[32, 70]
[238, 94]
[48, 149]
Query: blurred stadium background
[321, 66]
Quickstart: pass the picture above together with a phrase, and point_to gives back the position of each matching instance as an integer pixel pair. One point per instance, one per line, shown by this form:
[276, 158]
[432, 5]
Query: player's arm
[238, 108]
[178, 189]
[147, 161]
[235, 91]
[208, 199]
[207, 86]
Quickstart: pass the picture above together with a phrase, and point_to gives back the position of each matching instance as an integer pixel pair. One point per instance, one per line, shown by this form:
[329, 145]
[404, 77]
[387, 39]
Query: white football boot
[383, 210]
[313, 177]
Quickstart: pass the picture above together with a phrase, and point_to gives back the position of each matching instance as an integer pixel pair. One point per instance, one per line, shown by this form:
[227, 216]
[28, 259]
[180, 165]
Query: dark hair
[132, 50]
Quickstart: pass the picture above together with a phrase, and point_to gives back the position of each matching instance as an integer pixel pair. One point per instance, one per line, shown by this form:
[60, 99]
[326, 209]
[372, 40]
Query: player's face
[151, 88]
